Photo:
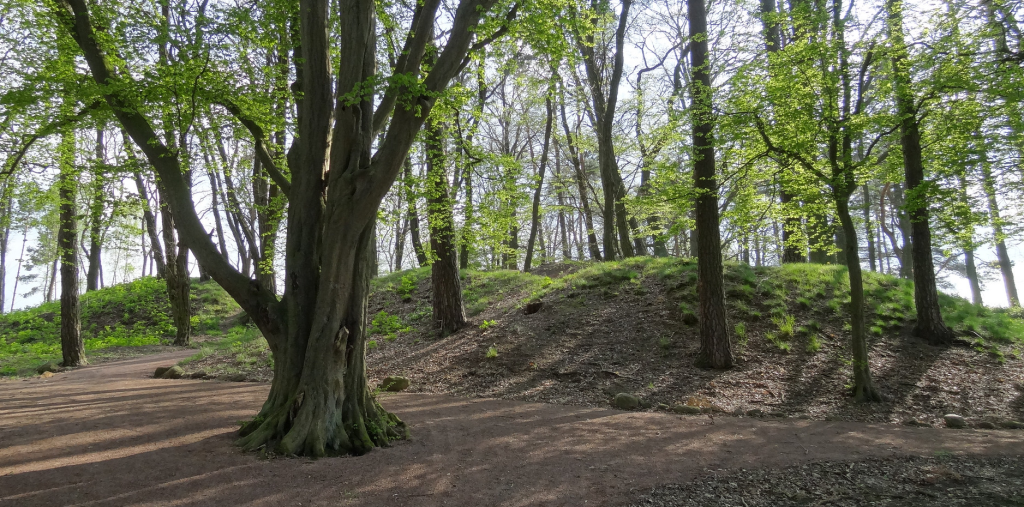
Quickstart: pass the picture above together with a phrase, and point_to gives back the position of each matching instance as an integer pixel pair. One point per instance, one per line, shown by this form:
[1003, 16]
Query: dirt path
[107, 435]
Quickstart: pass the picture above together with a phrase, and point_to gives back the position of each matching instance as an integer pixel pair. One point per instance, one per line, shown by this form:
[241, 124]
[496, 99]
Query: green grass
[133, 314]
[245, 346]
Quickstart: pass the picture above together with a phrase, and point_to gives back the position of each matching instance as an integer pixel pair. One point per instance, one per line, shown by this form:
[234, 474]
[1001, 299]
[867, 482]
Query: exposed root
[313, 428]
[866, 393]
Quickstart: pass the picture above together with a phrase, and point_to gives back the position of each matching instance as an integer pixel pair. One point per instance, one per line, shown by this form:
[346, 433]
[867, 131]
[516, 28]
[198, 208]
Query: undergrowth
[132, 314]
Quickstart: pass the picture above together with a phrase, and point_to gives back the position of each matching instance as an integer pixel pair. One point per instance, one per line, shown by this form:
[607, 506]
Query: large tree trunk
[71, 344]
[715, 349]
[926, 296]
[319, 402]
[535, 214]
[449, 311]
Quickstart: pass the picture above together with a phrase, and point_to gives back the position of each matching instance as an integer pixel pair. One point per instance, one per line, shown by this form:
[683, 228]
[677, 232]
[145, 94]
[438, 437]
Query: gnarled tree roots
[322, 425]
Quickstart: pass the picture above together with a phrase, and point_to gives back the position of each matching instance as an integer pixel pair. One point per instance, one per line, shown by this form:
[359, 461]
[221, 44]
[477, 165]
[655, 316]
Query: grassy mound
[134, 314]
[631, 326]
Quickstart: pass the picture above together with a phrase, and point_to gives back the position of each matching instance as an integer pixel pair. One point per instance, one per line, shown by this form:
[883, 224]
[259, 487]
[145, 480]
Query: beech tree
[319, 401]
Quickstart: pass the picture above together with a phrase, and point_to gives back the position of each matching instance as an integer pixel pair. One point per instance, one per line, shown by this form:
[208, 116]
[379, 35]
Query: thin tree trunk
[715, 350]
[577, 162]
[868, 231]
[413, 215]
[7, 206]
[72, 347]
[972, 276]
[176, 275]
[560, 195]
[448, 309]
[95, 218]
[863, 385]
[535, 214]
[1002, 254]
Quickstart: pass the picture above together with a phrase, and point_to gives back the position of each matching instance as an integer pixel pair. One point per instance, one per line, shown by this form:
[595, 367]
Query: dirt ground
[108, 435]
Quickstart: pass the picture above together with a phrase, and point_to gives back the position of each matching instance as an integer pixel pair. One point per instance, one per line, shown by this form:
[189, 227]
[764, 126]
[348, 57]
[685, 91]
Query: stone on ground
[954, 421]
[46, 374]
[394, 384]
[51, 367]
[626, 401]
[172, 372]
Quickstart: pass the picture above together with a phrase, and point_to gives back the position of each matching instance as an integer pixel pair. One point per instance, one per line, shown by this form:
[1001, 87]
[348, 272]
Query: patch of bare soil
[108, 435]
[585, 345]
[884, 482]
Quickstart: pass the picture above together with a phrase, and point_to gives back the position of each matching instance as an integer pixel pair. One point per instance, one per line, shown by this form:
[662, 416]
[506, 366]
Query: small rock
[685, 409]
[238, 377]
[954, 421]
[532, 308]
[1011, 425]
[46, 374]
[173, 372]
[662, 406]
[160, 371]
[625, 401]
[51, 367]
[198, 375]
[986, 425]
[755, 412]
[394, 384]
[917, 424]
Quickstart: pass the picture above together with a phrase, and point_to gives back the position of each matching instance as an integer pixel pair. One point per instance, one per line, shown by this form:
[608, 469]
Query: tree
[926, 296]
[71, 344]
[319, 402]
[715, 348]
[448, 309]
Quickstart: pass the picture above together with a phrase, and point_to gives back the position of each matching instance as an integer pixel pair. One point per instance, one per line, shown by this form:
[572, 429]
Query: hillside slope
[630, 327]
[123, 320]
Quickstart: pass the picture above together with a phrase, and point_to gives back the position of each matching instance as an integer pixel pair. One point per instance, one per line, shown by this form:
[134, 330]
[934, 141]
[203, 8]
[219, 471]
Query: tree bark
[576, 157]
[868, 231]
[413, 215]
[988, 182]
[72, 347]
[150, 221]
[535, 214]
[604, 115]
[715, 350]
[926, 296]
[448, 309]
[176, 275]
[92, 281]
[7, 206]
[972, 276]
[319, 403]
[863, 386]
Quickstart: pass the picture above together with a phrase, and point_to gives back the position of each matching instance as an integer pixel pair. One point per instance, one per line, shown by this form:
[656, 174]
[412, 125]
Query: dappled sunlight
[134, 442]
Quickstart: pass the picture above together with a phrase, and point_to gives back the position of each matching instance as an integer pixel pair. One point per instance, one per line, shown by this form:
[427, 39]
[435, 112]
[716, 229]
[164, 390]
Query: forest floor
[109, 435]
[624, 327]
